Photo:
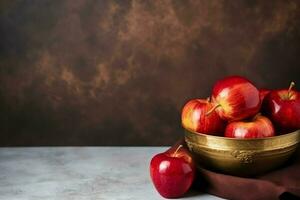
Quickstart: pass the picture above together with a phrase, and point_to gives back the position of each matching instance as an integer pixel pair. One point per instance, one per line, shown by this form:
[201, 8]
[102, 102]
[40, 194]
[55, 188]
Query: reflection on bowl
[242, 157]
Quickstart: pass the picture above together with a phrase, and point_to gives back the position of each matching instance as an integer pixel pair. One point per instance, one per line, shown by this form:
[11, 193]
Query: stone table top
[79, 173]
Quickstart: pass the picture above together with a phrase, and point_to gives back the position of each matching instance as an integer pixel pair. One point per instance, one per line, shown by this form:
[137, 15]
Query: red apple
[173, 172]
[258, 127]
[235, 98]
[194, 117]
[263, 93]
[283, 108]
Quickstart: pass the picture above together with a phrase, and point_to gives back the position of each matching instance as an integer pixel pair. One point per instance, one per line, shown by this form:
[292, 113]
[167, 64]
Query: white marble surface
[83, 173]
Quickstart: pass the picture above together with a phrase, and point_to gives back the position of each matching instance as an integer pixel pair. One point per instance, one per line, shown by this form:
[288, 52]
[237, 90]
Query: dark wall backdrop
[118, 72]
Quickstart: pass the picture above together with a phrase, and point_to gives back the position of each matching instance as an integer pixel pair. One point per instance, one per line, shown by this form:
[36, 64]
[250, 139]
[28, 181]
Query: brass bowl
[242, 157]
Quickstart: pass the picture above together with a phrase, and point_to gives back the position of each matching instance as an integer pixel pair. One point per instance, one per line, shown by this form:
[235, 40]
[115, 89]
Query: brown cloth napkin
[282, 183]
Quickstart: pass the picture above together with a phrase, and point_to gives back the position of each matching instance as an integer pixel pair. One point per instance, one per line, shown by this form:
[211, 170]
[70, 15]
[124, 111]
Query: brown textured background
[118, 72]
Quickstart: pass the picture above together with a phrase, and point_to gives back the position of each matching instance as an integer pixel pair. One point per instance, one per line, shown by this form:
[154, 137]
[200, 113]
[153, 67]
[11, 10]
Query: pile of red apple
[236, 109]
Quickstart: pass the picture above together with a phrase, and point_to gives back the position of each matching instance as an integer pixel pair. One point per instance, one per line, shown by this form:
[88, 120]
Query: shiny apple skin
[238, 98]
[172, 174]
[194, 118]
[284, 113]
[259, 127]
[263, 93]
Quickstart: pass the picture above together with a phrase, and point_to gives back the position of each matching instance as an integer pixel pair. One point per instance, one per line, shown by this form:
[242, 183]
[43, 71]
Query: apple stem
[177, 149]
[212, 109]
[290, 88]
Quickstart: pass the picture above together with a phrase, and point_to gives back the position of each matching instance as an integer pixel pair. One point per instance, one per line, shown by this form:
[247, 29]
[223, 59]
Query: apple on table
[173, 172]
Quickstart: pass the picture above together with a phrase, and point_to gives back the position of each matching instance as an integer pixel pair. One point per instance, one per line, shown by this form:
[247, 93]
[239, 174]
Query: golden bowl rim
[242, 139]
